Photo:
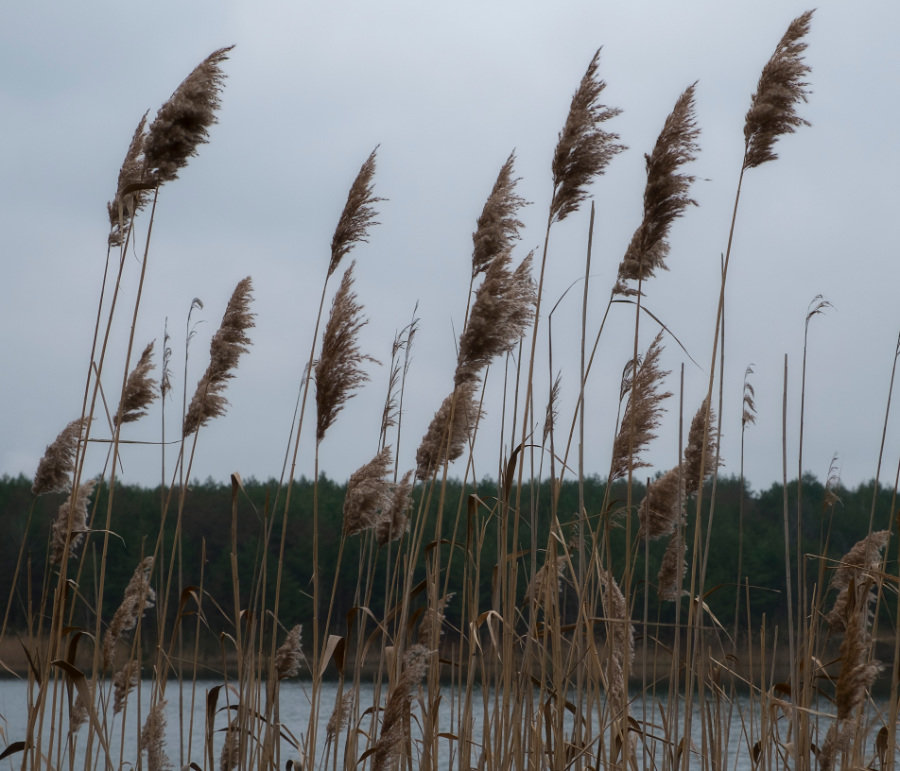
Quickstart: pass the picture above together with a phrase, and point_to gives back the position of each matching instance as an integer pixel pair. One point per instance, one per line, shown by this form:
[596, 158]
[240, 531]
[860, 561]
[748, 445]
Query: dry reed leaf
[54, 471]
[338, 372]
[368, 494]
[497, 226]
[289, 656]
[358, 215]
[182, 123]
[225, 349]
[583, 149]
[781, 88]
[642, 413]
[665, 194]
[71, 522]
[139, 390]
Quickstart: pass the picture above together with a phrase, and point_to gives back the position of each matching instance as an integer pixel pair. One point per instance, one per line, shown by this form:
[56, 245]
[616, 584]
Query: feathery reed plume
[583, 149]
[394, 520]
[552, 409]
[183, 122]
[497, 226]
[231, 749]
[289, 656]
[368, 494]
[72, 520]
[153, 736]
[660, 508]
[139, 596]
[665, 195]
[79, 714]
[225, 349]
[642, 413]
[672, 569]
[620, 640]
[338, 371]
[130, 197]
[832, 481]
[748, 415]
[339, 714]
[165, 378]
[859, 565]
[449, 430]
[781, 87]
[503, 309]
[400, 696]
[124, 683]
[431, 625]
[139, 390]
[55, 467]
[698, 453]
[358, 215]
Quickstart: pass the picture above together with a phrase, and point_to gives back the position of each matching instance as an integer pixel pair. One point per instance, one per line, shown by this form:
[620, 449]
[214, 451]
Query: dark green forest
[466, 535]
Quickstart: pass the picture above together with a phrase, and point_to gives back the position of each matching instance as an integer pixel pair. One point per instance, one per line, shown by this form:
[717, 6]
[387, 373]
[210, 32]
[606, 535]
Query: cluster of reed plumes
[541, 675]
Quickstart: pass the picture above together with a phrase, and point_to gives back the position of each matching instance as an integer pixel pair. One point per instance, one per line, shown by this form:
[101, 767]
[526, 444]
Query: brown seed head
[665, 195]
[153, 737]
[358, 215]
[660, 510]
[225, 349]
[497, 225]
[72, 521]
[182, 123]
[55, 468]
[781, 88]
[338, 372]
[140, 390]
[584, 149]
[449, 430]
[672, 569]
[701, 448]
[139, 596]
[394, 521]
[289, 656]
[131, 187]
[368, 494]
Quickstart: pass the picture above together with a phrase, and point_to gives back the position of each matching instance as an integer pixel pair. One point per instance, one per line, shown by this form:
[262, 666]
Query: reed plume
[432, 623]
[665, 194]
[672, 569]
[583, 149]
[289, 656]
[449, 430]
[70, 521]
[642, 413]
[394, 728]
[620, 641]
[153, 737]
[781, 88]
[394, 520]
[339, 715]
[130, 189]
[182, 123]
[124, 683]
[660, 509]
[503, 309]
[139, 596]
[700, 452]
[859, 565]
[225, 349]
[358, 215]
[368, 494]
[748, 413]
[139, 390]
[546, 582]
[54, 470]
[497, 226]
[552, 409]
[338, 372]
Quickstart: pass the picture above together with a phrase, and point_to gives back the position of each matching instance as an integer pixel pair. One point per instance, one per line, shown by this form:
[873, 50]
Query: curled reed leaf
[183, 122]
[781, 88]
[584, 149]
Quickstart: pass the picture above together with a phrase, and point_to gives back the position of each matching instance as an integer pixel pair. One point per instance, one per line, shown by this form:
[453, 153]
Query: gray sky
[447, 91]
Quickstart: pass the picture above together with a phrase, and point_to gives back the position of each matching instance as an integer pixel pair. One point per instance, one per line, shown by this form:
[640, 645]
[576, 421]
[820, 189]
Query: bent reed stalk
[488, 626]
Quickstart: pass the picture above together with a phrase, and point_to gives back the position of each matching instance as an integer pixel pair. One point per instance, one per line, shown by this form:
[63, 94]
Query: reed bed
[560, 664]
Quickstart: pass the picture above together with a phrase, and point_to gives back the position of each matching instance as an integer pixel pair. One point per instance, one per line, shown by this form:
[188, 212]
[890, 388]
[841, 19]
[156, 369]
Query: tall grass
[563, 667]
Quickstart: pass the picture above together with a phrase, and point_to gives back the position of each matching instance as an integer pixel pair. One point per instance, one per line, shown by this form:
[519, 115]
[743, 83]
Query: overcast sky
[447, 91]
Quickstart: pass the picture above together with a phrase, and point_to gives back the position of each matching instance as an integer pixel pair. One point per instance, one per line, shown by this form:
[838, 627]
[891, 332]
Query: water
[294, 714]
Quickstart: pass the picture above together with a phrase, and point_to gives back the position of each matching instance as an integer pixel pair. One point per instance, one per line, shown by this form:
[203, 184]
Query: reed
[490, 627]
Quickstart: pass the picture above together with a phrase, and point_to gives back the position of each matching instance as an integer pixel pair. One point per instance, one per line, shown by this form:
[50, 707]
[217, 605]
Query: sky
[446, 92]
